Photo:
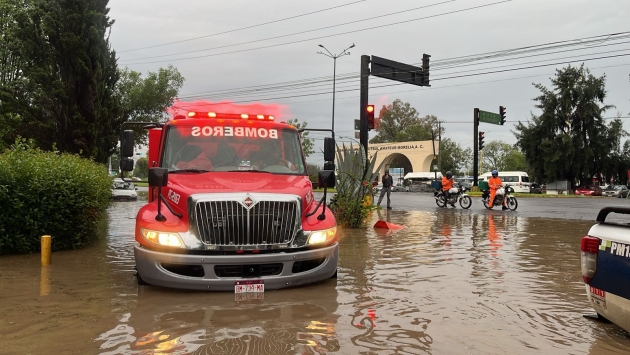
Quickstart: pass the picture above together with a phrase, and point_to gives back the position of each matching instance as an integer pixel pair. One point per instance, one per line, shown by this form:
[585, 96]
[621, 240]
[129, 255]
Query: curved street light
[334, 57]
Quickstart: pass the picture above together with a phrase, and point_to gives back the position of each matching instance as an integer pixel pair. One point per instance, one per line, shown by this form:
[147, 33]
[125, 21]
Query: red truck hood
[185, 185]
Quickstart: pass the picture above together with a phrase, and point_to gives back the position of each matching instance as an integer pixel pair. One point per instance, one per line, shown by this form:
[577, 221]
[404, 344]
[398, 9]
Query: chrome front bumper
[149, 267]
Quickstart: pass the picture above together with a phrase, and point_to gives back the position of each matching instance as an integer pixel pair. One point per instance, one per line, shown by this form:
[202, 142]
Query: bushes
[49, 193]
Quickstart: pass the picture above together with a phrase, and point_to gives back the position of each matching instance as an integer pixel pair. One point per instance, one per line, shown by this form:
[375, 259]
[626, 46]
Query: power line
[350, 76]
[446, 78]
[297, 88]
[326, 36]
[292, 34]
[243, 28]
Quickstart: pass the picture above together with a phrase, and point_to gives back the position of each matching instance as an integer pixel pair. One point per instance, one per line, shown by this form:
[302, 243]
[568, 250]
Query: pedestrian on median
[388, 182]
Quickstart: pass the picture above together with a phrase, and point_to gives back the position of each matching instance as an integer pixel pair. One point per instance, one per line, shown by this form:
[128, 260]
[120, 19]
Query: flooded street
[451, 282]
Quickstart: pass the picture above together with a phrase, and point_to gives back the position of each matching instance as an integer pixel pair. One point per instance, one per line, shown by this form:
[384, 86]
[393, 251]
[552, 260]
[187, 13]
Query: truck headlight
[323, 236]
[162, 238]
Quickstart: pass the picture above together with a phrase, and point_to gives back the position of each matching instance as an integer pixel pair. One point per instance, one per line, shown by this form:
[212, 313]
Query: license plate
[254, 286]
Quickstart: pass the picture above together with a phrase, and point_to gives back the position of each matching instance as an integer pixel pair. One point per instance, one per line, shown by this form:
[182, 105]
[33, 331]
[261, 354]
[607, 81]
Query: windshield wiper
[198, 171]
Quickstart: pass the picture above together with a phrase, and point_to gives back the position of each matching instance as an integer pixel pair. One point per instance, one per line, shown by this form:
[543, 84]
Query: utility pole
[440, 146]
[334, 57]
[475, 146]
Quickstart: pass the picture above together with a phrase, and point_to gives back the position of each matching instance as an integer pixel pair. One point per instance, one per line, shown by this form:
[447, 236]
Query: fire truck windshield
[191, 148]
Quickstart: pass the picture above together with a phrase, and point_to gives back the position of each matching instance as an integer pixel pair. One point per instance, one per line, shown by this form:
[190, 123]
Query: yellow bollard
[46, 249]
[44, 281]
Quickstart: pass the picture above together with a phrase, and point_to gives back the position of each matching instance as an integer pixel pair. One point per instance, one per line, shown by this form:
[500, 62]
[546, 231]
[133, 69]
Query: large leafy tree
[503, 156]
[147, 99]
[400, 122]
[13, 14]
[67, 99]
[454, 157]
[570, 139]
[307, 143]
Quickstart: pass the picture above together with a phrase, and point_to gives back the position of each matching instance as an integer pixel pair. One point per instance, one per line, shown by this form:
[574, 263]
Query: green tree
[141, 169]
[147, 99]
[68, 97]
[307, 143]
[400, 122]
[12, 13]
[570, 139]
[313, 170]
[503, 156]
[454, 157]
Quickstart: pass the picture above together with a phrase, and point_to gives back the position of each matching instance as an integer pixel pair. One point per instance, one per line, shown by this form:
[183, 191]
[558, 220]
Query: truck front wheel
[141, 281]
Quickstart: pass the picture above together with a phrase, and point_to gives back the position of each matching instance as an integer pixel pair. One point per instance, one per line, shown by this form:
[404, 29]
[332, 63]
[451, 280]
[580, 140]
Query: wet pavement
[452, 282]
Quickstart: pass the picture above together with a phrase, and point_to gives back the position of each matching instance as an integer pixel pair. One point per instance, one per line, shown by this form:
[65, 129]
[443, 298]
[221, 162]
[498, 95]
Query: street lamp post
[334, 57]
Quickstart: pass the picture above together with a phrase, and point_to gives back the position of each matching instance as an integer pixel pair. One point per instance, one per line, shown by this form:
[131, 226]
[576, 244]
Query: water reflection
[451, 282]
[166, 321]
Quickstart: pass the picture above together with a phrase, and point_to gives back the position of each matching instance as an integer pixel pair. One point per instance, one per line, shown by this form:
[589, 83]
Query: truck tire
[334, 276]
[140, 280]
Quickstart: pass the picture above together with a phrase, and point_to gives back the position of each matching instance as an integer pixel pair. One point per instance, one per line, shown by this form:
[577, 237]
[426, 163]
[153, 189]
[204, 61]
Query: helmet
[495, 173]
[449, 174]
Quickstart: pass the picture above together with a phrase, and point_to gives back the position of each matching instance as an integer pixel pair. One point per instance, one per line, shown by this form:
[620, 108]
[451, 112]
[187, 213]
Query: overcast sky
[449, 29]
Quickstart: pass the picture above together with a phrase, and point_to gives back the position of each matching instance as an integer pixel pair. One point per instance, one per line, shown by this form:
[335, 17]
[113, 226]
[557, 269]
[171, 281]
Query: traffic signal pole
[363, 102]
[475, 147]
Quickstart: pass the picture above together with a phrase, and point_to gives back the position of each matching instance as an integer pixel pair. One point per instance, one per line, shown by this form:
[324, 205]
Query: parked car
[536, 189]
[124, 190]
[396, 188]
[399, 187]
[589, 191]
[620, 191]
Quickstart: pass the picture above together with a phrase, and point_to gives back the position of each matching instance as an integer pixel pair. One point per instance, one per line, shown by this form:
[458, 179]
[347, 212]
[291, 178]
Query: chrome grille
[230, 223]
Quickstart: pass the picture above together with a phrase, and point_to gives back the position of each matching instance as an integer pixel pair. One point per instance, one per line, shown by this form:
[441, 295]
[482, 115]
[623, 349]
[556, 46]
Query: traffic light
[502, 113]
[370, 116]
[481, 138]
[425, 69]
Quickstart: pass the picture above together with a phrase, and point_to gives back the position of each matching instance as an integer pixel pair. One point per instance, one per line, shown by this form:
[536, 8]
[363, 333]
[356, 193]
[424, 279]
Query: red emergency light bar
[244, 116]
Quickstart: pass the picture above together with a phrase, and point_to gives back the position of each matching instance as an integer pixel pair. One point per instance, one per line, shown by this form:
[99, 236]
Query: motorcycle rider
[495, 183]
[447, 184]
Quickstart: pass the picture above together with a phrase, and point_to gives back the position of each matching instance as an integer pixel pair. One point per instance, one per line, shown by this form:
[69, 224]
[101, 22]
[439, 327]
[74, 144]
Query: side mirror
[158, 177]
[326, 178]
[126, 164]
[127, 143]
[329, 149]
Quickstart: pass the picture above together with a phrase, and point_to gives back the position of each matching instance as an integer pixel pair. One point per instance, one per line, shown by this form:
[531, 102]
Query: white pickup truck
[606, 267]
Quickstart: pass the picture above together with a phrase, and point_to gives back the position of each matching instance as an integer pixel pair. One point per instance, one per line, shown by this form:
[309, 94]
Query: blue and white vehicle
[606, 267]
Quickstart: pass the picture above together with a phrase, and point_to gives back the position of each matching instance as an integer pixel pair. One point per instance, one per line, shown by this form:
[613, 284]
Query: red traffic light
[370, 117]
[502, 113]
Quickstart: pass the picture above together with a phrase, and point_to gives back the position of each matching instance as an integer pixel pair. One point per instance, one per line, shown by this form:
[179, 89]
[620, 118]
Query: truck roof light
[218, 115]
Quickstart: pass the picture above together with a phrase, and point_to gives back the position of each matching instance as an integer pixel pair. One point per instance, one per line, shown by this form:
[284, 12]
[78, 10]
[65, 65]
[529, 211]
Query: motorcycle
[457, 194]
[510, 201]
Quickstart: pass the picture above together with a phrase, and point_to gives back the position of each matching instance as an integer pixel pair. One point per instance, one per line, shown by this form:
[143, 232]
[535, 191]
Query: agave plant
[355, 172]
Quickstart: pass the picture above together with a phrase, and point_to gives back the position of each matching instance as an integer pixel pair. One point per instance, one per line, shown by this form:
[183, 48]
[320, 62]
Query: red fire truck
[230, 205]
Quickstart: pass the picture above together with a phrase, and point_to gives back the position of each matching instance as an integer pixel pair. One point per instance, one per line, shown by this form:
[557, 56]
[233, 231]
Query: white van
[518, 180]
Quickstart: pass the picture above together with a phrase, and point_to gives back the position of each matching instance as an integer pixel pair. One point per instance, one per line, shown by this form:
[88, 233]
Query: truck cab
[231, 206]
[605, 261]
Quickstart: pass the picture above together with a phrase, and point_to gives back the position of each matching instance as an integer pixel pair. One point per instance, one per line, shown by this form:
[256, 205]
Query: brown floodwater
[451, 282]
